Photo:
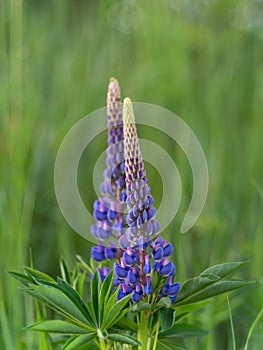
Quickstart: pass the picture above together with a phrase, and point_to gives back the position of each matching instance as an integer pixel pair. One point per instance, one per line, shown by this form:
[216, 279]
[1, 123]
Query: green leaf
[24, 279]
[168, 344]
[182, 330]
[64, 270]
[223, 270]
[84, 265]
[167, 317]
[141, 306]
[128, 324]
[163, 302]
[77, 342]
[39, 275]
[57, 326]
[104, 293]
[218, 288]
[111, 313]
[76, 299]
[60, 301]
[118, 317]
[125, 339]
[194, 285]
[183, 310]
[95, 284]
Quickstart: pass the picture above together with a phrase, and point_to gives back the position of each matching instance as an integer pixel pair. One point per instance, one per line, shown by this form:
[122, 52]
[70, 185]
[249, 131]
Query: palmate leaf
[24, 279]
[168, 344]
[141, 306]
[57, 326]
[76, 299]
[112, 312]
[60, 302]
[184, 310]
[167, 317]
[223, 270]
[182, 330]
[219, 288]
[164, 302]
[64, 270]
[194, 285]
[38, 275]
[95, 289]
[77, 342]
[125, 339]
[127, 324]
[209, 283]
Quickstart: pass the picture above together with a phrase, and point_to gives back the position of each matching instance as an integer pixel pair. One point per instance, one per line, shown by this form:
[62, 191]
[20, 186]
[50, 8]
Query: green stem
[156, 334]
[102, 344]
[143, 330]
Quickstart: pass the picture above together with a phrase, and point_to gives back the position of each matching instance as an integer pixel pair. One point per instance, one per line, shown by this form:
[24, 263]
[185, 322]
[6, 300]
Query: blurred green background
[201, 59]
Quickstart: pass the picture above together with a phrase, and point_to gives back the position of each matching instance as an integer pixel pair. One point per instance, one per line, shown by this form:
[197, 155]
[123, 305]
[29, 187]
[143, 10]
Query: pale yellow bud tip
[112, 79]
[128, 115]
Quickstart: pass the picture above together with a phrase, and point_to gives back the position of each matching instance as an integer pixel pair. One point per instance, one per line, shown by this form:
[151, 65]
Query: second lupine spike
[142, 225]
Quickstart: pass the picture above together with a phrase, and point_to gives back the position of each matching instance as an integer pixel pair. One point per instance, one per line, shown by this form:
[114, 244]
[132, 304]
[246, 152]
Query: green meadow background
[201, 59]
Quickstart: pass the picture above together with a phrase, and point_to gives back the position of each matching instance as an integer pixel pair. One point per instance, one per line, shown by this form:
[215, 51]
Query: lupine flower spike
[108, 210]
[141, 213]
[136, 273]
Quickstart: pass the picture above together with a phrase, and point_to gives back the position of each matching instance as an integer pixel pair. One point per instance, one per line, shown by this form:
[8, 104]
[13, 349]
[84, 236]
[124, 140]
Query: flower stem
[143, 330]
[156, 334]
[102, 344]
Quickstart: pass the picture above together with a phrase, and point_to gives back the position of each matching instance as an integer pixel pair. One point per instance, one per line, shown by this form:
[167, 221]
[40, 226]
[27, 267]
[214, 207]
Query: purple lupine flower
[120, 271]
[173, 290]
[147, 265]
[97, 253]
[103, 272]
[148, 286]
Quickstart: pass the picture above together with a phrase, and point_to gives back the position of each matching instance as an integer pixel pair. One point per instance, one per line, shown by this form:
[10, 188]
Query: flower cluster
[108, 211]
[141, 213]
[142, 278]
[143, 266]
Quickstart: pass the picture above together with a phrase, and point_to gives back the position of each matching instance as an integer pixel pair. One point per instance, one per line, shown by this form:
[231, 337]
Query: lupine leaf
[194, 285]
[24, 279]
[57, 326]
[141, 306]
[163, 302]
[79, 283]
[167, 317]
[168, 344]
[76, 299]
[95, 296]
[112, 313]
[112, 299]
[128, 324]
[84, 265]
[104, 293]
[223, 270]
[218, 288]
[125, 339]
[39, 275]
[77, 342]
[118, 317]
[183, 330]
[64, 270]
[183, 310]
[60, 301]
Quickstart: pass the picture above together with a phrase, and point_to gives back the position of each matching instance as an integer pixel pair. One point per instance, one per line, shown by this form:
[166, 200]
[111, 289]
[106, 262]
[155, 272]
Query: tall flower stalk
[143, 269]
